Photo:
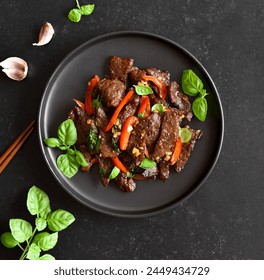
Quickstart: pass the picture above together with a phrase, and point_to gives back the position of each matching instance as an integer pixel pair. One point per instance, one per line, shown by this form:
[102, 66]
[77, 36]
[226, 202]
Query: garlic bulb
[15, 68]
[45, 34]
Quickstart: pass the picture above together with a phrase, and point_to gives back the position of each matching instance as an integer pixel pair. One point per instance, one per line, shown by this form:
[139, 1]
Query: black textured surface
[225, 218]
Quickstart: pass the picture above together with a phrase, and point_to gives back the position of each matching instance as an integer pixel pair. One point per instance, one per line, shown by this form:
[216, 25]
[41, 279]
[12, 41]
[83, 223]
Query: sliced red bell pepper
[79, 103]
[160, 85]
[124, 101]
[88, 96]
[119, 164]
[177, 151]
[126, 131]
[144, 108]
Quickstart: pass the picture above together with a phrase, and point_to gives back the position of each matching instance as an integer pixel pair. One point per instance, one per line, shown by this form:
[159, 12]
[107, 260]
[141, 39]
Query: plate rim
[144, 213]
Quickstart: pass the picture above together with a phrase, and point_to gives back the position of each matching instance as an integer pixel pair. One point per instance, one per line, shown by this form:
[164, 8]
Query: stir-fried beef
[164, 170]
[130, 109]
[137, 142]
[152, 128]
[180, 100]
[169, 134]
[80, 118]
[112, 92]
[125, 183]
[105, 167]
[164, 76]
[106, 146]
[120, 67]
[152, 135]
[136, 75]
[187, 148]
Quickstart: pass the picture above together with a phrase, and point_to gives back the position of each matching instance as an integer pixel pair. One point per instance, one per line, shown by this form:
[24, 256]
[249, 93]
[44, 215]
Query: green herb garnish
[185, 135]
[21, 231]
[147, 163]
[70, 162]
[193, 85]
[76, 14]
[143, 90]
[97, 102]
[114, 173]
[93, 140]
[158, 108]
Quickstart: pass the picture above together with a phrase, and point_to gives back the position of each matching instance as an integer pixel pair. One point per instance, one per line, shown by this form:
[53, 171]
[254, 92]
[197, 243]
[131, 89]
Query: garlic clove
[15, 68]
[45, 35]
[14, 74]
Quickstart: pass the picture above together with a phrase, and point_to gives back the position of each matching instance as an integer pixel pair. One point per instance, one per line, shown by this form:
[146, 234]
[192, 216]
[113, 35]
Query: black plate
[69, 81]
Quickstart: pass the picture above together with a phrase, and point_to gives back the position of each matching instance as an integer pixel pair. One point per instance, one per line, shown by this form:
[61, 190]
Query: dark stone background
[225, 218]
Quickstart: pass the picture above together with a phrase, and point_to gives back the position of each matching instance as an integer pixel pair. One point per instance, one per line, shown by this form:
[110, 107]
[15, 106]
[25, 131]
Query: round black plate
[69, 81]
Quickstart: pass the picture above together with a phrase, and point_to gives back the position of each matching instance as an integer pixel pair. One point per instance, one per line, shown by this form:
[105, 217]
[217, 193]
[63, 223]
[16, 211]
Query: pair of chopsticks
[15, 146]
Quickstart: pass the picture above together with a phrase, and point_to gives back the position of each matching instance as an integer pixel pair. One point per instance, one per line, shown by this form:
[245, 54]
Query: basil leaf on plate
[199, 107]
[191, 83]
[67, 132]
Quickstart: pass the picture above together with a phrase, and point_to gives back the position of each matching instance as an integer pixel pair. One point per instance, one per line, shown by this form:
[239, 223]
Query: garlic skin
[45, 35]
[15, 68]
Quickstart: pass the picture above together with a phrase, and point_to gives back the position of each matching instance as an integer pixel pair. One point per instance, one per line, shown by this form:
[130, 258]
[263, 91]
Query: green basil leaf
[59, 220]
[46, 257]
[115, 145]
[80, 158]
[48, 242]
[141, 115]
[203, 93]
[97, 102]
[38, 202]
[87, 9]
[20, 229]
[75, 15]
[158, 108]
[114, 173]
[92, 140]
[33, 252]
[40, 224]
[52, 142]
[38, 236]
[191, 83]
[147, 163]
[143, 90]
[67, 132]
[199, 107]
[185, 135]
[68, 164]
[8, 240]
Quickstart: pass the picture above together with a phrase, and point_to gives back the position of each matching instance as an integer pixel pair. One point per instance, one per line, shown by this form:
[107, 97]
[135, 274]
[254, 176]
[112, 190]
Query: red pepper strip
[126, 131]
[147, 153]
[88, 96]
[119, 164]
[79, 103]
[177, 151]
[144, 107]
[161, 86]
[118, 109]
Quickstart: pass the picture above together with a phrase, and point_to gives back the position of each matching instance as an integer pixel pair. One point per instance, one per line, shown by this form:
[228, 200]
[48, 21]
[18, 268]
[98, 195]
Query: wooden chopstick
[15, 146]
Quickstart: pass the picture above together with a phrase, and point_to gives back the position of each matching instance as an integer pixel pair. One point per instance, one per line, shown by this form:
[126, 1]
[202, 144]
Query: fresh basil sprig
[36, 241]
[70, 162]
[193, 85]
[76, 14]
